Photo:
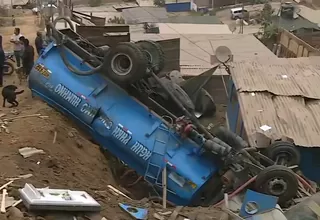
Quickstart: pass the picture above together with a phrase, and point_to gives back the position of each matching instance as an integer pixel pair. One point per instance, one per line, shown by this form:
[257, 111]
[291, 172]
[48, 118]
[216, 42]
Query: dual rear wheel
[128, 62]
[279, 180]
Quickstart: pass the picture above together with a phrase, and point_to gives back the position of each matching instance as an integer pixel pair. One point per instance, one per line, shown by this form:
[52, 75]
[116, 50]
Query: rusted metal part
[94, 19]
[105, 35]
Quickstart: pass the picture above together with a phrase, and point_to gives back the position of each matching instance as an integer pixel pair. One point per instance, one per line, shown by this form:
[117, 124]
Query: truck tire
[179, 93]
[235, 141]
[8, 68]
[125, 63]
[277, 181]
[284, 149]
[154, 54]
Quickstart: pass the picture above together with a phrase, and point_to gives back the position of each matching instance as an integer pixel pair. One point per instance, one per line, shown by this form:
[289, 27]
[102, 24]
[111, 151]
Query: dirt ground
[72, 162]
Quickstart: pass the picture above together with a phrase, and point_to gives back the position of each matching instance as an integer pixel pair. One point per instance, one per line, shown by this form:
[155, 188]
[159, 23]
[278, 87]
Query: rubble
[29, 151]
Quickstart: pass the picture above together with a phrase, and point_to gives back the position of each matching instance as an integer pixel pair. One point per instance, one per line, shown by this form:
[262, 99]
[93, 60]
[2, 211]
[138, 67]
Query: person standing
[39, 42]
[13, 21]
[17, 47]
[28, 57]
[2, 59]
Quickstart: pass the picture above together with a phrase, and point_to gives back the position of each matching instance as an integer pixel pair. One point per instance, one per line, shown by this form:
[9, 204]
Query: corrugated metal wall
[178, 7]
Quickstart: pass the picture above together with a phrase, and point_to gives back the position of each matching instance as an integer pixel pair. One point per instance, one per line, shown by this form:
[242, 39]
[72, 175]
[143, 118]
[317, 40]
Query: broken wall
[293, 46]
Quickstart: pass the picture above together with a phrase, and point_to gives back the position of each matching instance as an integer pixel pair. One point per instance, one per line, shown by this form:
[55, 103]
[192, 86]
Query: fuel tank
[123, 126]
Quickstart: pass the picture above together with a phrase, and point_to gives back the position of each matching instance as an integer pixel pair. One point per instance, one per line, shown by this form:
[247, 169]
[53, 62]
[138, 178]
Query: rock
[70, 134]
[52, 163]
[14, 214]
[79, 144]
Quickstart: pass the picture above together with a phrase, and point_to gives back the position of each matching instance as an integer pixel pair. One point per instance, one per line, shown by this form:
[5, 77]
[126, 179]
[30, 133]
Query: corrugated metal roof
[195, 50]
[144, 14]
[310, 14]
[175, 28]
[283, 94]
[193, 20]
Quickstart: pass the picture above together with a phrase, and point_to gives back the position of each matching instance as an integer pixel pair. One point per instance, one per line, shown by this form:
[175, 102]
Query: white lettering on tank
[88, 110]
[141, 151]
[106, 122]
[121, 135]
[67, 95]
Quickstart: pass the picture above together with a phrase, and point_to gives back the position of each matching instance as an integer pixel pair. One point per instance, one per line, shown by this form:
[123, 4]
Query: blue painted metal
[310, 162]
[264, 203]
[121, 125]
[178, 7]
[136, 213]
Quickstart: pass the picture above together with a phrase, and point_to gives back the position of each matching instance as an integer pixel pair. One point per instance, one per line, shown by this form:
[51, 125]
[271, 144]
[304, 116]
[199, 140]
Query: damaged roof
[195, 49]
[284, 95]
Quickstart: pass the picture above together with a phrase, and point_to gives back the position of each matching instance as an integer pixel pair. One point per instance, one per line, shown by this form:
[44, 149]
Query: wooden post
[3, 201]
[164, 187]
[241, 20]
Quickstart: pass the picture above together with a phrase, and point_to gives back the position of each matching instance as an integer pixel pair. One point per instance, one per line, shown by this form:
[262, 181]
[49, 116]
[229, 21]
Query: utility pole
[241, 20]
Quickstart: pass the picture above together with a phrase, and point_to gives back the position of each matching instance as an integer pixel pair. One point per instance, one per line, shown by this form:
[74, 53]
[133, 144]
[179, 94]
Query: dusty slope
[72, 162]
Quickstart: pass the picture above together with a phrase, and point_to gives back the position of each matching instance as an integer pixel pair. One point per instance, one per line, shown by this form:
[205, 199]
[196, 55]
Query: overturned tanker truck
[110, 92]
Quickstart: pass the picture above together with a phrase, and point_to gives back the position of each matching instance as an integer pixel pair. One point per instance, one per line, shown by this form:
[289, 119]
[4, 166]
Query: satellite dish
[223, 54]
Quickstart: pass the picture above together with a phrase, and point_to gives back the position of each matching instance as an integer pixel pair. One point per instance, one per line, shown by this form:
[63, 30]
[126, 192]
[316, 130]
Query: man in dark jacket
[39, 42]
[2, 59]
[28, 57]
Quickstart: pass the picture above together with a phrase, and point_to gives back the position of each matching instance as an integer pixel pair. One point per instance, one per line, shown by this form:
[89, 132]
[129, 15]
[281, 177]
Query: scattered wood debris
[29, 151]
[24, 116]
[3, 201]
[54, 137]
[26, 176]
[5, 121]
[4, 126]
[117, 192]
[9, 201]
[5, 185]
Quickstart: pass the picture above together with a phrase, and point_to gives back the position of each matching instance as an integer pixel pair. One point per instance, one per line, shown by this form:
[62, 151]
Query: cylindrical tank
[123, 126]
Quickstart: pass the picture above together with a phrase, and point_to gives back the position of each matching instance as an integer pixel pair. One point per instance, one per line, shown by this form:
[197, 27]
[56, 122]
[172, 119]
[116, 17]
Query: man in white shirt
[17, 45]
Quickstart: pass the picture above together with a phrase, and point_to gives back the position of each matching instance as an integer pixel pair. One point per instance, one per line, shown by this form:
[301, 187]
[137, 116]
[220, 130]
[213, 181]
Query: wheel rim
[121, 64]
[149, 56]
[284, 158]
[277, 186]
